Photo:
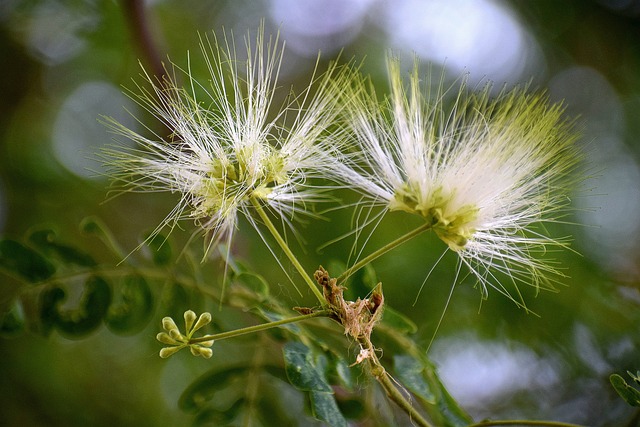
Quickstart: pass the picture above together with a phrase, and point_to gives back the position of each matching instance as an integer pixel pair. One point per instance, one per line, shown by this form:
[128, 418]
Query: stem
[400, 400]
[383, 250]
[258, 328]
[283, 245]
[523, 423]
[135, 13]
[380, 374]
[410, 347]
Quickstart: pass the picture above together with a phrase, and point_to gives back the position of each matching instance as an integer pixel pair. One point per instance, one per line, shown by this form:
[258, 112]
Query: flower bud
[189, 318]
[168, 324]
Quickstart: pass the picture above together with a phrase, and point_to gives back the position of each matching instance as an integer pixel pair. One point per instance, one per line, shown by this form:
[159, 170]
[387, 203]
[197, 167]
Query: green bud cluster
[177, 341]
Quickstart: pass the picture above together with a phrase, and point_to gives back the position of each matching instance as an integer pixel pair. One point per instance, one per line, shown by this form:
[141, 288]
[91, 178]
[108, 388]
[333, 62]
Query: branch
[134, 11]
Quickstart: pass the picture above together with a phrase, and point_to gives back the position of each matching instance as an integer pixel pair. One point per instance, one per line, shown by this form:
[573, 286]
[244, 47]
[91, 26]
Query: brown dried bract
[357, 317]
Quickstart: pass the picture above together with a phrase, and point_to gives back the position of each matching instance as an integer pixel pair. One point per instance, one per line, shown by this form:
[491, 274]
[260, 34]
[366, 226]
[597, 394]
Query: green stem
[283, 245]
[523, 423]
[258, 328]
[383, 250]
[380, 374]
[400, 400]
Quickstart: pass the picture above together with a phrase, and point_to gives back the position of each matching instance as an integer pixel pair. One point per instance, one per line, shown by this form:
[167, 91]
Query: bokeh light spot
[54, 31]
[481, 36]
[480, 373]
[611, 211]
[312, 26]
[77, 134]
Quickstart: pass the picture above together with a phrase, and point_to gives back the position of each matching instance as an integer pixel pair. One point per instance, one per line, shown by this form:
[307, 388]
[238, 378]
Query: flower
[229, 147]
[177, 341]
[481, 172]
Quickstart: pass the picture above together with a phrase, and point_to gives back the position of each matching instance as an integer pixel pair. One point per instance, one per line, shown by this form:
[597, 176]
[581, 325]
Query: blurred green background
[63, 65]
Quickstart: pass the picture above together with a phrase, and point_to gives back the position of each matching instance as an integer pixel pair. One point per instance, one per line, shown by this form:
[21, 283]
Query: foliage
[630, 394]
[315, 360]
[62, 295]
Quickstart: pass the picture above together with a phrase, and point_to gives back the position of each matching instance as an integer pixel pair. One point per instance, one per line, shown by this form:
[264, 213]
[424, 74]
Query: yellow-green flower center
[454, 226]
[231, 181]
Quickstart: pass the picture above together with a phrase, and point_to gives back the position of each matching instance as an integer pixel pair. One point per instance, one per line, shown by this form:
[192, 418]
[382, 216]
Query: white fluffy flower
[229, 147]
[485, 172]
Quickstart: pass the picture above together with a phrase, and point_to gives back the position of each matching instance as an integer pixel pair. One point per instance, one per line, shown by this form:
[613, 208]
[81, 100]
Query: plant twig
[359, 319]
[258, 328]
[523, 423]
[381, 375]
[135, 14]
[383, 250]
[285, 248]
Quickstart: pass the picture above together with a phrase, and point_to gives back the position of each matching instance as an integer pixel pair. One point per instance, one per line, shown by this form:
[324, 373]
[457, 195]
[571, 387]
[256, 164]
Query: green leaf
[49, 298]
[255, 283]
[363, 281]
[24, 262]
[302, 370]
[45, 240]
[13, 321]
[627, 392]
[454, 415]
[418, 375]
[398, 321]
[159, 248]
[339, 368]
[96, 297]
[92, 225]
[278, 333]
[307, 373]
[410, 373]
[216, 417]
[95, 226]
[203, 389]
[134, 309]
[326, 409]
[368, 277]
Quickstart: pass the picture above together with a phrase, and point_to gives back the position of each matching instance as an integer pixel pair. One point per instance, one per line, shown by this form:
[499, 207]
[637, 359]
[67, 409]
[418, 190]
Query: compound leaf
[409, 372]
[159, 248]
[24, 262]
[79, 321]
[13, 321]
[45, 240]
[203, 389]
[134, 309]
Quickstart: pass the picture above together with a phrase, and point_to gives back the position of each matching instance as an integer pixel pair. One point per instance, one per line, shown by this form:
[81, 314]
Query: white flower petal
[482, 171]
